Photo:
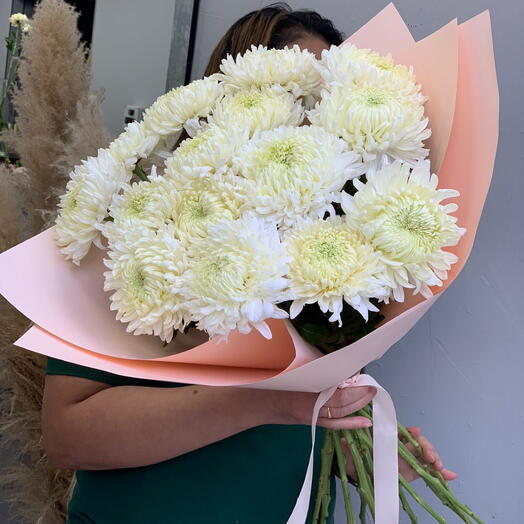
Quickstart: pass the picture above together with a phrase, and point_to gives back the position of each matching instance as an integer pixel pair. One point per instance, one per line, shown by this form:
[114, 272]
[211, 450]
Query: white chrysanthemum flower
[204, 201]
[292, 69]
[295, 172]
[257, 109]
[20, 20]
[211, 150]
[83, 207]
[144, 269]
[141, 205]
[401, 214]
[183, 105]
[332, 263]
[134, 143]
[344, 64]
[379, 120]
[235, 277]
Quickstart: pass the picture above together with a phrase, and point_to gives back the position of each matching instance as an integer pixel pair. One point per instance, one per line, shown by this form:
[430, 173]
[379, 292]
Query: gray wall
[458, 373]
[130, 50]
[5, 13]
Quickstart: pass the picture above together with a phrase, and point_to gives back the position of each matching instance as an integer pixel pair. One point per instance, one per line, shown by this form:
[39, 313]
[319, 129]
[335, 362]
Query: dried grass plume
[86, 133]
[60, 123]
[54, 76]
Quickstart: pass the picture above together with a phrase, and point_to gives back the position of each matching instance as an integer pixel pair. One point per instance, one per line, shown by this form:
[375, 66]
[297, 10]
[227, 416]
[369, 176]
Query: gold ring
[329, 412]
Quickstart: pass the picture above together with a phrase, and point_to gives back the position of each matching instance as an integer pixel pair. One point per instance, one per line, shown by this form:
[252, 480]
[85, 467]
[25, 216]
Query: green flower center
[327, 250]
[71, 202]
[220, 275]
[136, 282]
[199, 210]
[216, 275]
[411, 230]
[327, 258]
[415, 220]
[249, 100]
[285, 153]
[214, 267]
[372, 96]
[137, 204]
[194, 207]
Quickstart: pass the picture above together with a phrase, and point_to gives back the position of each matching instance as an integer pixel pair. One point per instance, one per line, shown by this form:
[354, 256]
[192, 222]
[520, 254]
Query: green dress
[253, 477]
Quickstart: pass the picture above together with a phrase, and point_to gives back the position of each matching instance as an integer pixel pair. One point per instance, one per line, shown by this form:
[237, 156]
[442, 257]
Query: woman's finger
[448, 474]
[414, 431]
[344, 423]
[330, 411]
[431, 456]
[343, 397]
[428, 451]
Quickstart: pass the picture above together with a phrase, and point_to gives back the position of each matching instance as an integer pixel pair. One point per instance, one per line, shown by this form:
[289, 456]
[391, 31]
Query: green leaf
[140, 173]
[315, 327]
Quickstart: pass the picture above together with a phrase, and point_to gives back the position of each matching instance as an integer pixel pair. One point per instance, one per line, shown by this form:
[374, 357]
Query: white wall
[130, 51]
[458, 374]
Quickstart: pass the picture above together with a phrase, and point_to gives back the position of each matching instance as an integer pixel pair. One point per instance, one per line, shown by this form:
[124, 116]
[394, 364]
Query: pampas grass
[86, 133]
[54, 75]
[16, 203]
[36, 492]
[59, 124]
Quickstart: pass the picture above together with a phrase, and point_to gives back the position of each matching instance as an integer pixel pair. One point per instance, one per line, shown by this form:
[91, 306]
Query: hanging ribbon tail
[385, 454]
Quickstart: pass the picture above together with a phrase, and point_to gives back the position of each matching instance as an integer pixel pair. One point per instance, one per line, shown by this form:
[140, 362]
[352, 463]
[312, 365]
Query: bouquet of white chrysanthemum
[303, 191]
[303, 205]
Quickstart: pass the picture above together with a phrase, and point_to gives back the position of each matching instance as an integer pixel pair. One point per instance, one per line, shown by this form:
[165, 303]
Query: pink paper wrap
[455, 66]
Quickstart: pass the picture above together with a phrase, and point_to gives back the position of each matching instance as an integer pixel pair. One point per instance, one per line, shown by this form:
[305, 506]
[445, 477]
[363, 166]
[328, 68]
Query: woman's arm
[91, 425]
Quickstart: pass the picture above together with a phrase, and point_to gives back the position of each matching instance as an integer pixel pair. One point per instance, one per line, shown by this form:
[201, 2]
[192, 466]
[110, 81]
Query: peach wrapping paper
[456, 68]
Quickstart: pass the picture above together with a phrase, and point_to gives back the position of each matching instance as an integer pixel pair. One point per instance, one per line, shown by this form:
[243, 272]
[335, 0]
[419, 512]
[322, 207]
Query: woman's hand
[430, 457]
[296, 408]
[428, 451]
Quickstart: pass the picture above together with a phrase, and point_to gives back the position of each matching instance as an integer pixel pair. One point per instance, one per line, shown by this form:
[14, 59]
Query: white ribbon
[385, 454]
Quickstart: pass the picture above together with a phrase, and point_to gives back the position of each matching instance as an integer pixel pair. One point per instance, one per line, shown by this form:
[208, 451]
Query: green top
[253, 477]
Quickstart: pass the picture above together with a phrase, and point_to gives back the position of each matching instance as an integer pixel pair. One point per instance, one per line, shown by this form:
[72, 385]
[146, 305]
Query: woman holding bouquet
[154, 452]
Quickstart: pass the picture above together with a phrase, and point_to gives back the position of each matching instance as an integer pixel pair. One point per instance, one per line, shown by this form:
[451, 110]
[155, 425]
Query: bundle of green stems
[360, 445]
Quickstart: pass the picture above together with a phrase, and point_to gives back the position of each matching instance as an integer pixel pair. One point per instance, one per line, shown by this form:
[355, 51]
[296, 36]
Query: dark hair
[297, 24]
[274, 26]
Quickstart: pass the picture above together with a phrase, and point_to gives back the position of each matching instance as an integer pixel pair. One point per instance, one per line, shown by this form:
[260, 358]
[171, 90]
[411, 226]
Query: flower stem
[432, 478]
[368, 467]
[325, 504]
[326, 461]
[341, 463]
[12, 69]
[363, 509]
[367, 457]
[406, 507]
[364, 486]
[442, 492]
[406, 485]
[440, 489]
[418, 451]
